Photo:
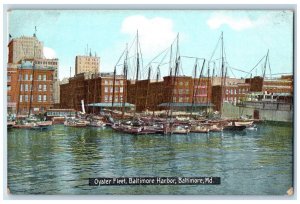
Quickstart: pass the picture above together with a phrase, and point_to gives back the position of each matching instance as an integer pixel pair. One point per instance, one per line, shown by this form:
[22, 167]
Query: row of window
[27, 77]
[41, 87]
[111, 82]
[40, 98]
[46, 63]
[109, 99]
[110, 89]
[235, 91]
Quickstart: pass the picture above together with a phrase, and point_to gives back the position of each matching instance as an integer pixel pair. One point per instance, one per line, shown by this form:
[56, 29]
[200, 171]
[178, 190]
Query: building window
[26, 77]
[26, 98]
[111, 82]
[8, 88]
[180, 83]
[116, 89]
[45, 98]
[106, 89]
[116, 99]
[111, 89]
[187, 83]
[21, 98]
[121, 82]
[234, 91]
[187, 91]
[30, 77]
[106, 98]
[21, 87]
[32, 98]
[110, 98]
[180, 92]
[20, 77]
[226, 91]
[180, 99]
[8, 99]
[39, 98]
[121, 89]
[45, 87]
[9, 78]
[40, 77]
[40, 87]
[44, 77]
[26, 87]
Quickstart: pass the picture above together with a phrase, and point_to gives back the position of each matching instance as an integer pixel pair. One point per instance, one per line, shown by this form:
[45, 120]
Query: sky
[247, 36]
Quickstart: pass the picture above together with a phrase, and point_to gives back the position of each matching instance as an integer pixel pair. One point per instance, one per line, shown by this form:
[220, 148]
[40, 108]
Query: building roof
[186, 104]
[110, 105]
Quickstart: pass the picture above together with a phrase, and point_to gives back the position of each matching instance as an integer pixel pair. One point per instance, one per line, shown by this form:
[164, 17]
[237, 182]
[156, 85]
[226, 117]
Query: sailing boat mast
[137, 69]
[207, 88]
[148, 85]
[265, 65]
[175, 75]
[222, 71]
[114, 84]
[125, 76]
[194, 83]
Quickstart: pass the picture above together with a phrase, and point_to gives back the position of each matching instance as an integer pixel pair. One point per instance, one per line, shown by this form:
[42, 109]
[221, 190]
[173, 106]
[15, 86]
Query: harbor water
[60, 160]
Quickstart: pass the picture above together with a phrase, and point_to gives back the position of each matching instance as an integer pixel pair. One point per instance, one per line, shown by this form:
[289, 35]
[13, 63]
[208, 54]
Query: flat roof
[186, 104]
[109, 104]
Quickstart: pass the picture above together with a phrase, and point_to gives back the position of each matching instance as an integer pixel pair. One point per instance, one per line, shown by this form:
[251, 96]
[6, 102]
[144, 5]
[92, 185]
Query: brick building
[24, 48]
[92, 88]
[29, 88]
[232, 93]
[180, 91]
[84, 64]
[284, 84]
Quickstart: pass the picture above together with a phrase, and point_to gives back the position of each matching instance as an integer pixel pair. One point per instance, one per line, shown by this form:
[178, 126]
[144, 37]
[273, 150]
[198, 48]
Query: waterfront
[60, 160]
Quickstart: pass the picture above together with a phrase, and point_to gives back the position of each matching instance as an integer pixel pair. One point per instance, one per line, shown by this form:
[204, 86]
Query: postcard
[150, 102]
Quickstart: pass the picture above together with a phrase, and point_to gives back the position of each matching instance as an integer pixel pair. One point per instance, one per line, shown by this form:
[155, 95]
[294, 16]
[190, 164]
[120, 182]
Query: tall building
[30, 49]
[84, 64]
[29, 88]
[24, 48]
[92, 88]
[52, 64]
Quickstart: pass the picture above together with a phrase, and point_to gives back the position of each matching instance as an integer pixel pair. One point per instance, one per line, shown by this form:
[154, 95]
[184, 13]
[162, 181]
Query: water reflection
[60, 160]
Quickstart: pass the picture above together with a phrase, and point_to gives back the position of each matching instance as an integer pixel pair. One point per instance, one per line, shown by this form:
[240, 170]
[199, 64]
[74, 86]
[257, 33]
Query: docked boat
[74, 123]
[96, 123]
[215, 128]
[199, 129]
[234, 126]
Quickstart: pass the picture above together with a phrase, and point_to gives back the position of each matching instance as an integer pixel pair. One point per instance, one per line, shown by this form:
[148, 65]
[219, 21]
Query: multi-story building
[92, 88]
[85, 64]
[181, 92]
[24, 48]
[284, 84]
[232, 93]
[52, 64]
[29, 89]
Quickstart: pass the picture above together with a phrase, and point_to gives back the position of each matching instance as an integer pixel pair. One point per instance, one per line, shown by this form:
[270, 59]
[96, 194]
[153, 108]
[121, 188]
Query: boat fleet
[140, 125]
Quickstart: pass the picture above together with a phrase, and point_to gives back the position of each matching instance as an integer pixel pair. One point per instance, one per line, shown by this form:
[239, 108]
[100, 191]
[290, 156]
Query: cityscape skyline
[107, 32]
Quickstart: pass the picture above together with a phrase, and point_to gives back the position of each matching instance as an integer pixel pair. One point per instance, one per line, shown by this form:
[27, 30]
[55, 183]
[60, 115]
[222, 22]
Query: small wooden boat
[199, 129]
[215, 128]
[75, 124]
[10, 124]
[180, 130]
[96, 123]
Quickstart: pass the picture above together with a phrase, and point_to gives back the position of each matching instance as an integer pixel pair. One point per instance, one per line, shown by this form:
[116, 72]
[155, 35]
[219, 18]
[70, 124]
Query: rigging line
[157, 56]
[192, 57]
[215, 49]
[239, 70]
[120, 57]
[132, 44]
[140, 50]
[256, 64]
[269, 66]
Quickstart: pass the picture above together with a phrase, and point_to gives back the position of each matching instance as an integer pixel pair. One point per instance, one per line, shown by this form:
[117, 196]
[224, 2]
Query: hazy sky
[247, 36]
